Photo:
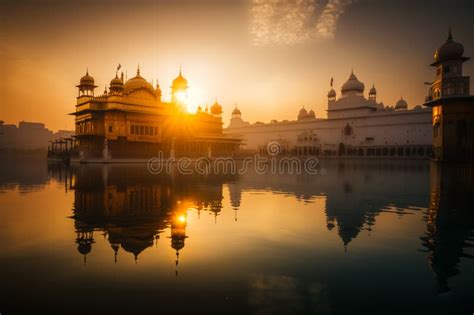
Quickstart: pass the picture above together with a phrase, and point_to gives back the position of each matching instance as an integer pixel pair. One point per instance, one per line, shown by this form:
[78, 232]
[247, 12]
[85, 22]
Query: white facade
[355, 126]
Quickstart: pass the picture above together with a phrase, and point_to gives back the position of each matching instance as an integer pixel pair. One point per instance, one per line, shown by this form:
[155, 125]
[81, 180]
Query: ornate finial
[121, 76]
[450, 36]
[87, 71]
[118, 68]
[332, 81]
[138, 70]
[180, 70]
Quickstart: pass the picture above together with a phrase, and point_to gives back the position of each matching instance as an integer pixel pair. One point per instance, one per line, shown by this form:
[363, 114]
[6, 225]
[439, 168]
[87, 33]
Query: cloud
[289, 22]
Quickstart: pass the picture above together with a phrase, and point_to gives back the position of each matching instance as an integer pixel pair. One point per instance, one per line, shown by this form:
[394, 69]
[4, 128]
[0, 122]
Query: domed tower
[178, 235]
[373, 94]
[84, 240]
[138, 83]
[311, 114]
[331, 95]
[401, 104]
[216, 109]
[352, 86]
[236, 113]
[453, 106]
[158, 92]
[179, 90]
[116, 85]
[302, 114]
[86, 86]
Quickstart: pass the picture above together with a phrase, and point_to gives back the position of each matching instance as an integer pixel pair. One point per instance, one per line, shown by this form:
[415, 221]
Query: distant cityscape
[28, 136]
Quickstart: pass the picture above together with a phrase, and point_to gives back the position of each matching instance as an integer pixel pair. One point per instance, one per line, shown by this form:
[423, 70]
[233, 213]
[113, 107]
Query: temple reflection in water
[449, 220]
[133, 209]
[276, 240]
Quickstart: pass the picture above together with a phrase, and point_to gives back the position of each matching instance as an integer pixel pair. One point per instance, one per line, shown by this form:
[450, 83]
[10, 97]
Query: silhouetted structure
[453, 105]
[450, 220]
[130, 121]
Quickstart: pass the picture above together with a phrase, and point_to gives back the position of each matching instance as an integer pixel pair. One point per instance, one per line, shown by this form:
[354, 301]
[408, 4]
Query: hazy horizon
[268, 57]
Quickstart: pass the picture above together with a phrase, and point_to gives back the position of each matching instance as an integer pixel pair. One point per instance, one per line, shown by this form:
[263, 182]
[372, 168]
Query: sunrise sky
[269, 56]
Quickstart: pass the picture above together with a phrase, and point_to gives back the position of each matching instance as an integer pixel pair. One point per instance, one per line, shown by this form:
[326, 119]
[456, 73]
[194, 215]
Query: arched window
[347, 130]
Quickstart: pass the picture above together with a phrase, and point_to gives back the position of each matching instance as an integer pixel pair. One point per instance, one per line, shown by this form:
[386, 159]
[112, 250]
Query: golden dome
[137, 83]
[87, 80]
[180, 81]
[116, 83]
[216, 109]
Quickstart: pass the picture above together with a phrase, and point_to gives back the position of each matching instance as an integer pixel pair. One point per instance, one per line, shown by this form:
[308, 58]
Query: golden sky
[268, 56]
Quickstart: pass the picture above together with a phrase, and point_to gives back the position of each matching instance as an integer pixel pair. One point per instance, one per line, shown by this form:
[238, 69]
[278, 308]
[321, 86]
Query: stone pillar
[209, 151]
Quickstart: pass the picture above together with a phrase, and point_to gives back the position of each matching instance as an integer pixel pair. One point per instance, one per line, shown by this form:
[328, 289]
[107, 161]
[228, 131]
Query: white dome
[401, 104]
[303, 111]
[373, 90]
[353, 84]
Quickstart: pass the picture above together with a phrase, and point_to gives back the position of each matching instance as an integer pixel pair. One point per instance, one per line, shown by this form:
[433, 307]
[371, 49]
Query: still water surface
[369, 237]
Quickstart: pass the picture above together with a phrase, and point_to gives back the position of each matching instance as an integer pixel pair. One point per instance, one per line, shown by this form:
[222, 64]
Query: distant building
[356, 126]
[453, 105]
[130, 121]
[28, 136]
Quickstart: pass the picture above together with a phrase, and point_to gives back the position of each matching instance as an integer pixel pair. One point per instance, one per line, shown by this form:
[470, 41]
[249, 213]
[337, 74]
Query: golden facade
[130, 120]
[453, 105]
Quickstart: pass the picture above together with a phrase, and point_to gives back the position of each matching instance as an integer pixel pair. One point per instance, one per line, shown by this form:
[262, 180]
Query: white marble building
[356, 126]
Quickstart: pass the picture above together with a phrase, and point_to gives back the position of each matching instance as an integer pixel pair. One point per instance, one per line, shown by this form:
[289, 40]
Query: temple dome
[401, 104]
[303, 111]
[180, 81]
[137, 83]
[353, 84]
[236, 111]
[303, 114]
[87, 79]
[116, 83]
[450, 50]
[332, 93]
[216, 109]
[373, 90]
